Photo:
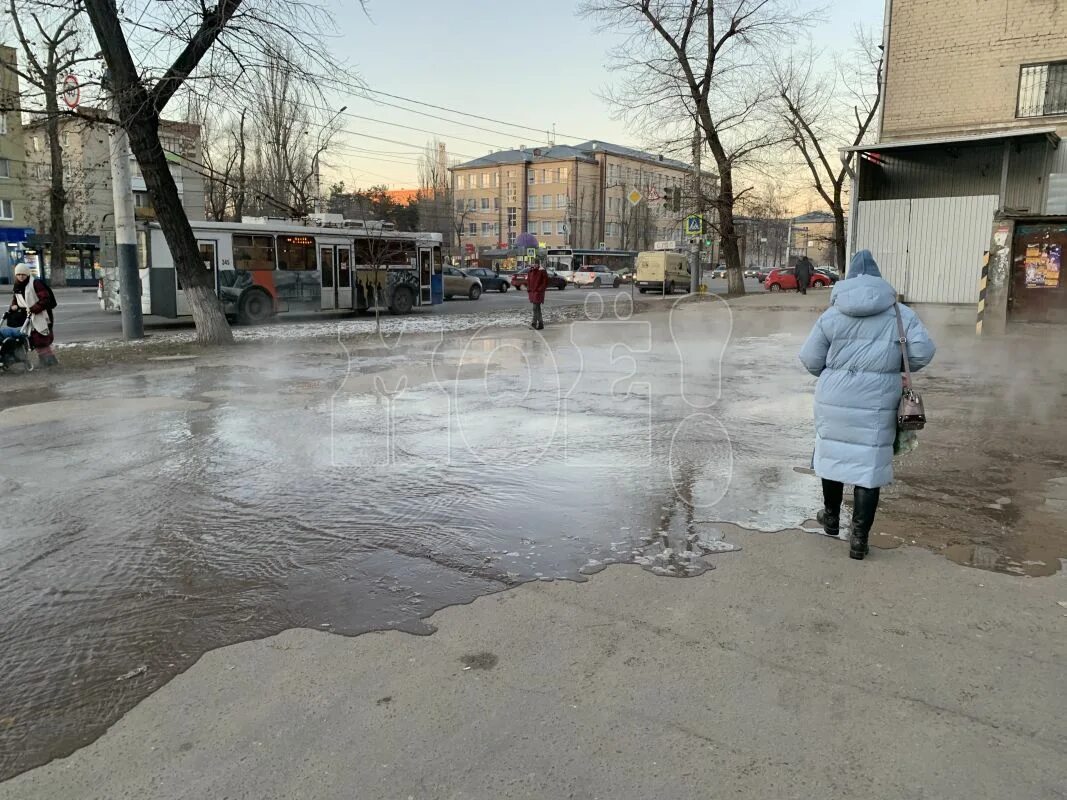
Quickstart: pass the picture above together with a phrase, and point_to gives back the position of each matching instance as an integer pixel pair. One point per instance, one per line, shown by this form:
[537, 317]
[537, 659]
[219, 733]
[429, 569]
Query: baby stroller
[15, 350]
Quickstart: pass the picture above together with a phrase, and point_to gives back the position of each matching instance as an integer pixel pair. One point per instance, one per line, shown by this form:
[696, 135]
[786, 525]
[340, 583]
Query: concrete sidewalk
[788, 672]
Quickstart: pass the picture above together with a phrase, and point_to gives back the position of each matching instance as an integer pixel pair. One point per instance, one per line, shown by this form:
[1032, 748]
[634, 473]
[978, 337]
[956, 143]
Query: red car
[518, 280]
[786, 279]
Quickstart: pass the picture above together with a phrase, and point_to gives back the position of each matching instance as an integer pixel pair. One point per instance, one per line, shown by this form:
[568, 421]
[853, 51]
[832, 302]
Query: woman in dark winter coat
[33, 300]
[536, 284]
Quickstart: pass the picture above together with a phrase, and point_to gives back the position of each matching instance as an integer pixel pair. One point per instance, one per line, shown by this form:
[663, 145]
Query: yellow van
[662, 271]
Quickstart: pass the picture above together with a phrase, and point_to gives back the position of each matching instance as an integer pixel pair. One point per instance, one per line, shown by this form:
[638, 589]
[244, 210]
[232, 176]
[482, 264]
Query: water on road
[153, 515]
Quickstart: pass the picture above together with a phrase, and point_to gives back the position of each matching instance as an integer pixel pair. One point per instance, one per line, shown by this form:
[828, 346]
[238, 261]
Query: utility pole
[125, 228]
[695, 255]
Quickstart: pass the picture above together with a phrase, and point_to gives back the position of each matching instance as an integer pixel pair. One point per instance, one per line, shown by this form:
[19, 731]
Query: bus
[260, 270]
[566, 261]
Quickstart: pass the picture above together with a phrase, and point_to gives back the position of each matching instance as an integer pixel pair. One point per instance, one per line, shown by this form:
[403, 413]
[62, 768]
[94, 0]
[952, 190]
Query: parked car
[596, 275]
[832, 274]
[491, 281]
[458, 282]
[518, 280]
[786, 280]
[626, 274]
[751, 273]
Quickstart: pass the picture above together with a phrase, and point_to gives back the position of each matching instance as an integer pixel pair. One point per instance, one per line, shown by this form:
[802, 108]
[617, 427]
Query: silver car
[458, 283]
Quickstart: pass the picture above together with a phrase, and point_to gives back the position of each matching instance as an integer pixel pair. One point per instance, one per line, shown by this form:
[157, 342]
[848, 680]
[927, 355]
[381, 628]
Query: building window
[512, 211]
[140, 200]
[36, 140]
[544, 176]
[495, 180]
[563, 173]
[3, 124]
[6, 210]
[531, 227]
[561, 201]
[533, 202]
[513, 193]
[1043, 90]
[487, 229]
[460, 205]
[472, 204]
[472, 228]
[546, 201]
[485, 204]
[511, 238]
[496, 231]
[546, 228]
[485, 180]
[466, 181]
[496, 204]
[531, 176]
[5, 168]
[561, 228]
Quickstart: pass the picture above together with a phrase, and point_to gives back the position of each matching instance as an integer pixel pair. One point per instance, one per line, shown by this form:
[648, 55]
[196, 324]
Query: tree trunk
[840, 239]
[211, 326]
[735, 277]
[57, 196]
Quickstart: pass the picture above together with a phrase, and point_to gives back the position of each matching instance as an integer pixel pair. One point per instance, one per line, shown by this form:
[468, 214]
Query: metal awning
[956, 141]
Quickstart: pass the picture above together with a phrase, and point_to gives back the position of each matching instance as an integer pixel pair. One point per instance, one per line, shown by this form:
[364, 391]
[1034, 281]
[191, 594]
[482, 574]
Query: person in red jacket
[536, 284]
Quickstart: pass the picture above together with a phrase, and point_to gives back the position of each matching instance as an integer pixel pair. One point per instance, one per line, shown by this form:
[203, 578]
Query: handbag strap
[903, 340]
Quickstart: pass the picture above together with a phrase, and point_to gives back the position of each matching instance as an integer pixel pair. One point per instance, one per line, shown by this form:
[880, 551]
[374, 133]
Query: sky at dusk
[530, 64]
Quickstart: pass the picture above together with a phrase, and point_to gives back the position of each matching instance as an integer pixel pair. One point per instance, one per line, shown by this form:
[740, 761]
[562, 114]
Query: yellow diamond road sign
[635, 197]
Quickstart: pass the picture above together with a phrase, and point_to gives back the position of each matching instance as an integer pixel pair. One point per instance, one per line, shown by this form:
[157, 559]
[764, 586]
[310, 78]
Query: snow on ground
[413, 324]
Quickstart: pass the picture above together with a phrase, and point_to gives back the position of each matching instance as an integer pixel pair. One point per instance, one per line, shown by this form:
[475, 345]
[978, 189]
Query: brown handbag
[911, 414]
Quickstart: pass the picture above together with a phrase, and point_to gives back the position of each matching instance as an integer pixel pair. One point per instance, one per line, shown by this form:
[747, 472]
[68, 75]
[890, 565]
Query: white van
[662, 271]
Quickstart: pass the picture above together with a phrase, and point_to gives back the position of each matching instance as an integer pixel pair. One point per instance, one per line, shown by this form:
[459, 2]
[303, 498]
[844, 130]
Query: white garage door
[931, 250]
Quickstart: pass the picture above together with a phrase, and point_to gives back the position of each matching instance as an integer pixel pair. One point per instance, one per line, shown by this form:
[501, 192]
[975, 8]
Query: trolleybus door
[335, 269]
[425, 271]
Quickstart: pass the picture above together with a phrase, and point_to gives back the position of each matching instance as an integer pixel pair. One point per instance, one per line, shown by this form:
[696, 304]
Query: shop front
[1037, 292]
[81, 257]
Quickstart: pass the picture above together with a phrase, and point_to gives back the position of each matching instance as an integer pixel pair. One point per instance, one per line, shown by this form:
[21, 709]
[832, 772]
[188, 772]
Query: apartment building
[812, 235]
[13, 220]
[566, 195]
[87, 176]
[963, 198]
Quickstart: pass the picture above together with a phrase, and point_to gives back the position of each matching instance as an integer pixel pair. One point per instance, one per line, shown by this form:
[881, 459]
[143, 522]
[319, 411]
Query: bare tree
[435, 192]
[52, 48]
[826, 113]
[221, 41]
[701, 58]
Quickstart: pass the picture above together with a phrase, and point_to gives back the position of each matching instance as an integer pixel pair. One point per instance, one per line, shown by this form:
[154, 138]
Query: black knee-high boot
[830, 516]
[864, 507]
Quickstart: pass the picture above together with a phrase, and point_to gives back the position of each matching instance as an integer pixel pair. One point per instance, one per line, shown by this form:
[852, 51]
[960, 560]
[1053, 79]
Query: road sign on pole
[694, 225]
[634, 197]
[531, 252]
[72, 93]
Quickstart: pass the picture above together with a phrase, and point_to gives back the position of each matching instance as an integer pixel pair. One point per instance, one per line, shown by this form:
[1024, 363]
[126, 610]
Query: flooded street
[156, 514]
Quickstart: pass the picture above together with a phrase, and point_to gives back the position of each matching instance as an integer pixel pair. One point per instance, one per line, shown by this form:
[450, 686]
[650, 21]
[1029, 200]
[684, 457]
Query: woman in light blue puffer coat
[854, 351]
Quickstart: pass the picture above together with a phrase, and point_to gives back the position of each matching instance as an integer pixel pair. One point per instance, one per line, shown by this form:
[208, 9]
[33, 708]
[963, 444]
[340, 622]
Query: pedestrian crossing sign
[694, 225]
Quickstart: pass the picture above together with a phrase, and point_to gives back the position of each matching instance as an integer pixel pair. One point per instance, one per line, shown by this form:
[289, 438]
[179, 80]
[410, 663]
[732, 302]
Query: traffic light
[672, 198]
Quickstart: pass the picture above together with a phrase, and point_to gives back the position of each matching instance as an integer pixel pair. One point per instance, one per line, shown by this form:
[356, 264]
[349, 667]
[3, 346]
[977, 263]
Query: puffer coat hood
[864, 292]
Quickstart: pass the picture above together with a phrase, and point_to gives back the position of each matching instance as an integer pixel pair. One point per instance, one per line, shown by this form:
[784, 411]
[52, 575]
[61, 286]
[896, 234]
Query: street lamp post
[315, 166]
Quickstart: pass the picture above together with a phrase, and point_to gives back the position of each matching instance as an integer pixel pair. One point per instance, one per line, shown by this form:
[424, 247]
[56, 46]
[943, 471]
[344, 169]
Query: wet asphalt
[157, 513]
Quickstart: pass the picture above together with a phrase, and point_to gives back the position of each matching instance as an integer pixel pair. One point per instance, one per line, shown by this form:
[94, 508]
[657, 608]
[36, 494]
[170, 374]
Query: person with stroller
[32, 301]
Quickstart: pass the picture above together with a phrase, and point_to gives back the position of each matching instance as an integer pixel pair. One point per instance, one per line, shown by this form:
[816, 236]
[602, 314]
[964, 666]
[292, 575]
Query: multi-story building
[812, 235]
[963, 199]
[87, 178]
[13, 220]
[567, 196]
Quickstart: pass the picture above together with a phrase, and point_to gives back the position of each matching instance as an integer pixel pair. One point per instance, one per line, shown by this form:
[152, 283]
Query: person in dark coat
[33, 300]
[536, 284]
[805, 269]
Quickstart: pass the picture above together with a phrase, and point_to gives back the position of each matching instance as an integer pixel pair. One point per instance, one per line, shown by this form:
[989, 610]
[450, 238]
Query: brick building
[963, 198]
[567, 196]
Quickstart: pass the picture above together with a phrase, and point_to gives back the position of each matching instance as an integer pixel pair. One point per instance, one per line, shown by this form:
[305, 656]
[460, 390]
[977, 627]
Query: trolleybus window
[296, 253]
[253, 252]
